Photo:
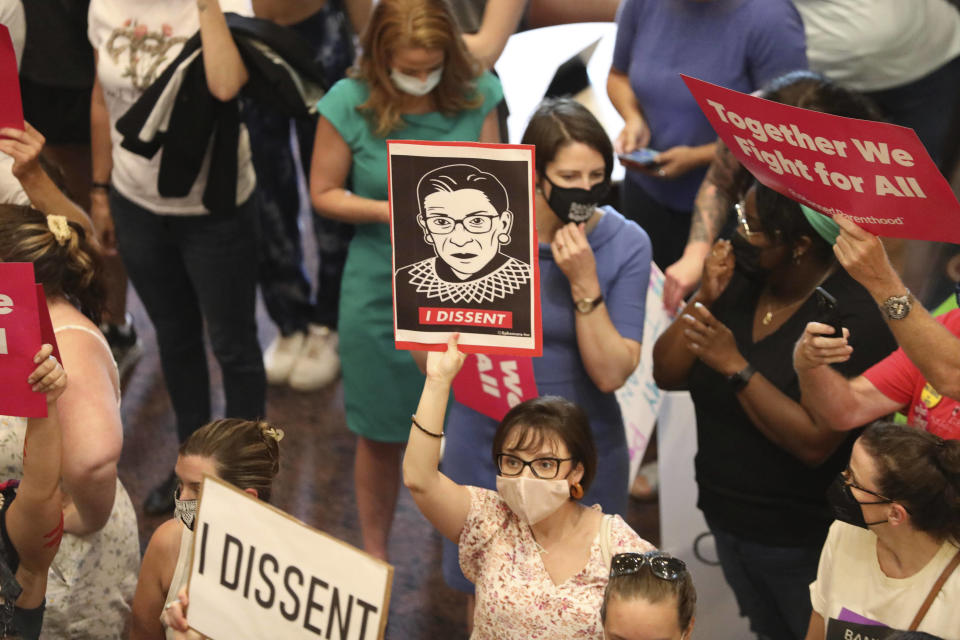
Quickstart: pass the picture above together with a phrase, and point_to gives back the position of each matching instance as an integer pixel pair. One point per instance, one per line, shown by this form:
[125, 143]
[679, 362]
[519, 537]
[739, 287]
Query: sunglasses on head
[661, 565]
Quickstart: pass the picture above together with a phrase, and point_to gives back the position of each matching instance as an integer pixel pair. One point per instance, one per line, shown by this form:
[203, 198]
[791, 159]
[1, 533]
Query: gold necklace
[768, 316]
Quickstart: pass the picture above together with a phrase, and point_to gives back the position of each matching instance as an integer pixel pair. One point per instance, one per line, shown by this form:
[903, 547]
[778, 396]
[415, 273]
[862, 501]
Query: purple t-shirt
[737, 44]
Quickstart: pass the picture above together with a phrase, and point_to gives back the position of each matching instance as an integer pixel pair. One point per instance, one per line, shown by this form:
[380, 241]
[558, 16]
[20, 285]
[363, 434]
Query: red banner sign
[878, 174]
[493, 384]
[20, 339]
[466, 317]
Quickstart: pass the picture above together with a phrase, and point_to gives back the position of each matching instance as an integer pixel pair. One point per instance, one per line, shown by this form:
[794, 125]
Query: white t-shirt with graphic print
[135, 40]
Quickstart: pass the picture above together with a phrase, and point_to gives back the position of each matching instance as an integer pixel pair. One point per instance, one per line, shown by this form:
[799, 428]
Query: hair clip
[276, 434]
[59, 228]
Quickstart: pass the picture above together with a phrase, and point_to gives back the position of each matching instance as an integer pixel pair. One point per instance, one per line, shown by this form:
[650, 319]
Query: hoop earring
[503, 238]
[576, 491]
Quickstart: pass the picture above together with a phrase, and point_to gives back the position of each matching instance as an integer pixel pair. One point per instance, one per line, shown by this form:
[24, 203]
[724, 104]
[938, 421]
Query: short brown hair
[644, 584]
[426, 24]
[558, 122]
[537, 419]
[922, 472]
[246, 452]
[71, 269]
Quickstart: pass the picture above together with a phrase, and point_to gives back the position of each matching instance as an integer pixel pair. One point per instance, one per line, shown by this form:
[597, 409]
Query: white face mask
[533, 499]
[415, 86]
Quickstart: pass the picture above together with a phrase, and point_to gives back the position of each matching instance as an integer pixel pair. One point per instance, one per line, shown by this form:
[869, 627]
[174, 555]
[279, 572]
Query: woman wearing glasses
[538, 558]
[650, 596]
[891, 557]
[762, 464]
[594, 274]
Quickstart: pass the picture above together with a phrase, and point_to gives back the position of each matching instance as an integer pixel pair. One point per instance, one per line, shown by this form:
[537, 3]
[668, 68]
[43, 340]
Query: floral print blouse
[516, 598]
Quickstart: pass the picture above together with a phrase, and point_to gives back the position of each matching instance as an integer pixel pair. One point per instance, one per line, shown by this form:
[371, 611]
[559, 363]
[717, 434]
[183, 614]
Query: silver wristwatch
[897, 307]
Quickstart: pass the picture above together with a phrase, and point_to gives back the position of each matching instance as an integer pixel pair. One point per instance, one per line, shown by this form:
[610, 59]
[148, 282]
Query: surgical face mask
[533, 499]
[415, 86]
[575, 204]
[846, 508]
[185, 510]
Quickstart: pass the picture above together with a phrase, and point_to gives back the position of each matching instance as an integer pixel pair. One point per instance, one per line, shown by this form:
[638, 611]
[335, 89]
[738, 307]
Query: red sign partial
[19, 341]
[493, 384]
[11, 108]
[466, 317]
[878, 174]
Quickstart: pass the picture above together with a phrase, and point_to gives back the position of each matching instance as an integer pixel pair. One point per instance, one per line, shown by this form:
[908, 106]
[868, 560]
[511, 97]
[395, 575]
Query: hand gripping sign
[24, 326]
[878, 174]
[258, 573]
[464, 247]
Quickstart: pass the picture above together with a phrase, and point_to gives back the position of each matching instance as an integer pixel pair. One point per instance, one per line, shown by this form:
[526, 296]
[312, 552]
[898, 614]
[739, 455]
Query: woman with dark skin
[763, 465]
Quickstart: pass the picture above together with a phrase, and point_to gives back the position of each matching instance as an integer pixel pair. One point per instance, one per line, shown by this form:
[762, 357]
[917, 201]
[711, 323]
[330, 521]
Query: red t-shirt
[900, 380]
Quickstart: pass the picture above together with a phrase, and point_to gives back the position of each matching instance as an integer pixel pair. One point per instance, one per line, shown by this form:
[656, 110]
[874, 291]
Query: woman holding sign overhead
[414, 80]
[94, 574]
[594, 273]
[538, 557]
[762, 465]
[242, 452]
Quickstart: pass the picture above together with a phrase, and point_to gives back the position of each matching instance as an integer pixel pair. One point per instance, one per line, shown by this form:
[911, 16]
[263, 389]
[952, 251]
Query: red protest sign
[492, 384]
[11, 108]
[19, 341]
[878, 174]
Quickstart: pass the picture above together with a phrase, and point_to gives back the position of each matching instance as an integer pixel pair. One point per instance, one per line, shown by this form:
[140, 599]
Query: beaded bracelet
[420, 426]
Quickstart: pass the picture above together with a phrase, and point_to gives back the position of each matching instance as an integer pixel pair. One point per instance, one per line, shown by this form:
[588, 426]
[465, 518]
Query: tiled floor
[315, 485]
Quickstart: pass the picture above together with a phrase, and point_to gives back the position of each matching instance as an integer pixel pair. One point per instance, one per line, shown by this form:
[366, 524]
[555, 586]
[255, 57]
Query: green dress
[381, 384]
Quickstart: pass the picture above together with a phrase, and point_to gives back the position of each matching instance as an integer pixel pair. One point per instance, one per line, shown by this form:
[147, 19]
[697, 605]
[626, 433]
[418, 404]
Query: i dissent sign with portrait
[464, 246]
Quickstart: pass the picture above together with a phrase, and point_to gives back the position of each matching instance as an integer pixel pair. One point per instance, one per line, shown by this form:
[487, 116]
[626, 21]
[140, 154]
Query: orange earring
[576, 491]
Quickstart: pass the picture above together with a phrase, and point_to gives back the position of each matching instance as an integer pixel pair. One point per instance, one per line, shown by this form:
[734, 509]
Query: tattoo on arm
[704, 225]
[201, 5]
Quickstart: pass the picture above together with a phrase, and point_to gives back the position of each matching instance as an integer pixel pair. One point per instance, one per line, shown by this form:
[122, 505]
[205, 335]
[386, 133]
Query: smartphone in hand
[641, 157]
[827, 311]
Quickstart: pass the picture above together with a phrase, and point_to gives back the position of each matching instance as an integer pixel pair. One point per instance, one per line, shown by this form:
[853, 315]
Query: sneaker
[318, 364]
[281, 355]
[125, 345]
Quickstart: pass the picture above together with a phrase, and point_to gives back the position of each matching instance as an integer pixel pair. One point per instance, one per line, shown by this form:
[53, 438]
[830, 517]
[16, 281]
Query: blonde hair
[426, 24]
[63, 261]
[246, 452]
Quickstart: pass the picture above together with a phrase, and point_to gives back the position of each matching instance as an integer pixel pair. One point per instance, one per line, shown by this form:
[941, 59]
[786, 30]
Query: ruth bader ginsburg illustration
[464, 246]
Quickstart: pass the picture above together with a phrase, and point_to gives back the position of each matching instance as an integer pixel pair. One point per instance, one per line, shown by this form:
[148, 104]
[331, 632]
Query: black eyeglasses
[848, 479]
[543, 468]
[661, 565]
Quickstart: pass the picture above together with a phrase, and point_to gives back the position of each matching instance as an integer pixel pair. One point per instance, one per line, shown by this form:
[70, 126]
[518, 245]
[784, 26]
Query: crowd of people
[826, 510]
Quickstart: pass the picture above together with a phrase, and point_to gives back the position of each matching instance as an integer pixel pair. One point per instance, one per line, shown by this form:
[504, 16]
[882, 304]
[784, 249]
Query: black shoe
[160, 499]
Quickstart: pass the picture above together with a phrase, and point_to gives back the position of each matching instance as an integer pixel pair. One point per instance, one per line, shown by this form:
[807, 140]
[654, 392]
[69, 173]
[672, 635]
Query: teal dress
[381, 384]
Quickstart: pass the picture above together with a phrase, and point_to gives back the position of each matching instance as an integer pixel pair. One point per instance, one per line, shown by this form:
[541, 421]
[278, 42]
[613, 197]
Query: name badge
[930, 397]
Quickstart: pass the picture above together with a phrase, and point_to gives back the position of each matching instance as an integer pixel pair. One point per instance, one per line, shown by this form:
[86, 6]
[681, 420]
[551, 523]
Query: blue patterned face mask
[185, 510]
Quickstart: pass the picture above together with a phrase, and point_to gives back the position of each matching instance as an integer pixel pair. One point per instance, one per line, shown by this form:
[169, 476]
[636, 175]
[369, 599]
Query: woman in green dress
[413, 81]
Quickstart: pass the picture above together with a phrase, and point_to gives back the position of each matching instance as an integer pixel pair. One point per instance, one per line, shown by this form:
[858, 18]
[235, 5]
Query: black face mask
[576, 205]
[747, 258]
[846, 508]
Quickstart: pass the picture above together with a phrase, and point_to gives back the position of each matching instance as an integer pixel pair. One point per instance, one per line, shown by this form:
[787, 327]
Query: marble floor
[315, 484]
